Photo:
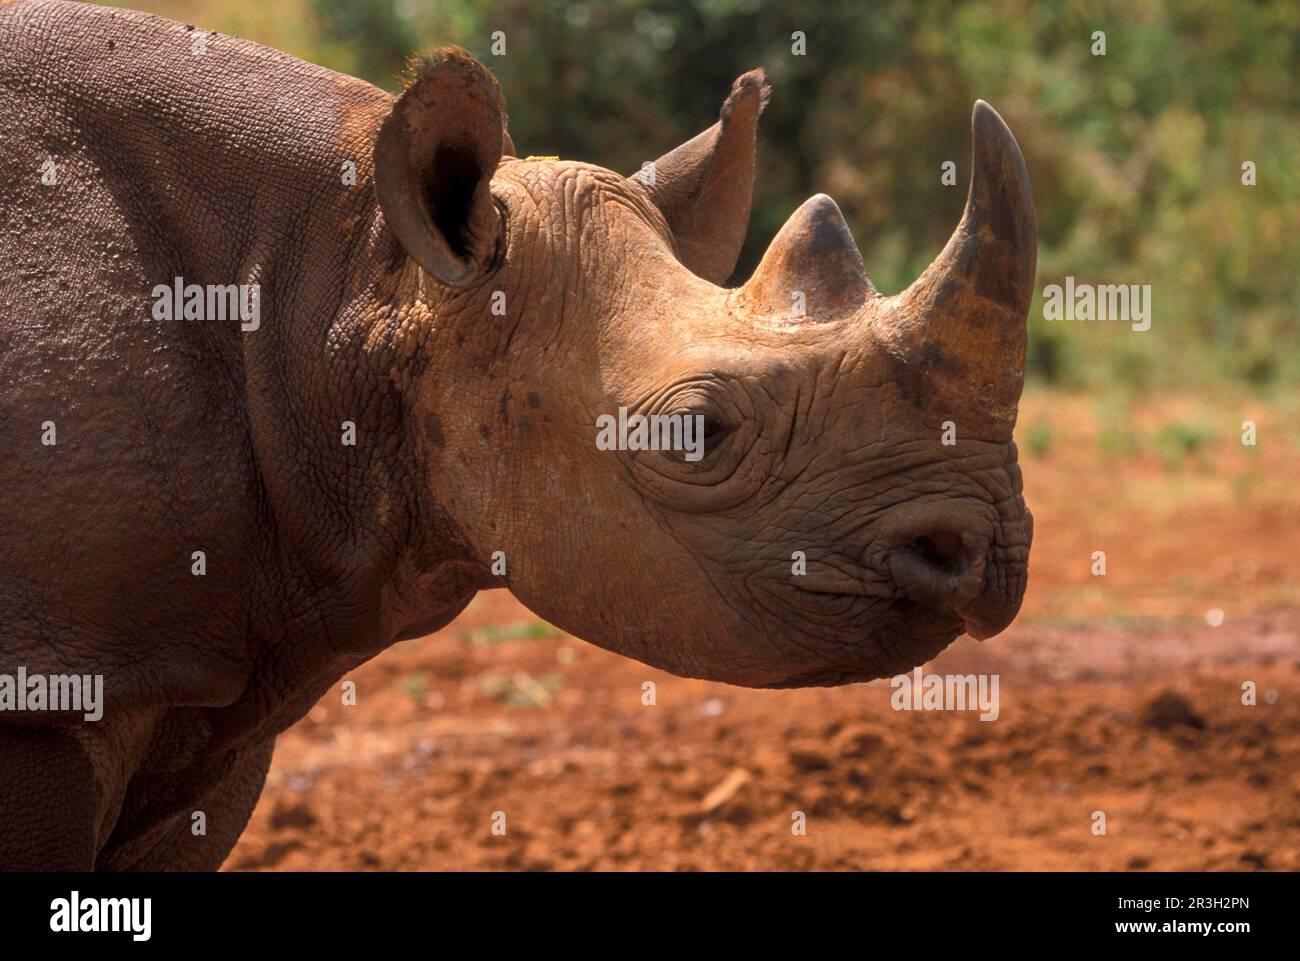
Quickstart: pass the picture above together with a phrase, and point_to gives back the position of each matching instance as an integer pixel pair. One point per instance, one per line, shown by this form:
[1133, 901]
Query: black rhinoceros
[293, 367]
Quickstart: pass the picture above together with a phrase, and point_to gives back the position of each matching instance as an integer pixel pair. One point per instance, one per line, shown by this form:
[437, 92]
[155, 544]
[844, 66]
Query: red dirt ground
[1117, 695]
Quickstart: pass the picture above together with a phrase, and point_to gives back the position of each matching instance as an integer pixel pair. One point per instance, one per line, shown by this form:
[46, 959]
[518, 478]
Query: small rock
[727, 789]
[1255, 859]
[809, 761]
[1170, 709]
[288, 815]
[858, 742]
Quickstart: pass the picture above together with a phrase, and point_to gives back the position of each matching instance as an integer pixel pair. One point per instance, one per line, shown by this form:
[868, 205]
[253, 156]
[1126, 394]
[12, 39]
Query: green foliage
[521, 689]
[416, 685]
[1136, 156]
[494, 634]
[1040, 439]
[1182, 440]
[1119, 440]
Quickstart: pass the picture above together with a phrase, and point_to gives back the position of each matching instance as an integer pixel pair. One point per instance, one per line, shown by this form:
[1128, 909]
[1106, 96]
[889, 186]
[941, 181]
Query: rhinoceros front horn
[961, 325]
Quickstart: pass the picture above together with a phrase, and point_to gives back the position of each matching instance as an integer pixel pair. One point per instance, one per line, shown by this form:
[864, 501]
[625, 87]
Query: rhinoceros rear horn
[434, 160]
[704, 187]
[812, 270]
[962, 323]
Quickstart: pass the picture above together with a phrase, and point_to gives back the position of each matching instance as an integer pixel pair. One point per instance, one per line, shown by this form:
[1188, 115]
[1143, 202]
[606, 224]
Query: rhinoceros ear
[434, 159]
[704, 187]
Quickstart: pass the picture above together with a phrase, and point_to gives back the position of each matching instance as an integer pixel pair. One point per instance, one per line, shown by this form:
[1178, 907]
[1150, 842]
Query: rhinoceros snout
[945, 561]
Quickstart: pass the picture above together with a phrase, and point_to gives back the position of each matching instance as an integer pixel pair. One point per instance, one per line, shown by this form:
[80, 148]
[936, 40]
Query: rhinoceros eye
[710, 431]
[715, 429]
[706, 430]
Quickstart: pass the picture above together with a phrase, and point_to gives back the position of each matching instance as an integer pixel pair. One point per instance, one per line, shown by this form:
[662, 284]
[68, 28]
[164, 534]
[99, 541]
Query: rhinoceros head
[856, 503]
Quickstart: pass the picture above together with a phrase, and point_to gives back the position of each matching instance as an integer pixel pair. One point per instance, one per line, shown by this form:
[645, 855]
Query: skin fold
[471, 314]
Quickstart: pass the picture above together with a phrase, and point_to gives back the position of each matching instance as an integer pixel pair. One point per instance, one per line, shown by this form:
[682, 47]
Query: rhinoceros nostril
[943, 550]
[942, 568]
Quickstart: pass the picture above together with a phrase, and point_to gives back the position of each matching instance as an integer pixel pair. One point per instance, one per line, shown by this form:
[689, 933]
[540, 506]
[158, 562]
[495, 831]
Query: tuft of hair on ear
[755, 81]
[419, 64]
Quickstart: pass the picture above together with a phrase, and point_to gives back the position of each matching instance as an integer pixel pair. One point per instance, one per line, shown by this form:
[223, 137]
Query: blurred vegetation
[1136, 156]
[493, 634]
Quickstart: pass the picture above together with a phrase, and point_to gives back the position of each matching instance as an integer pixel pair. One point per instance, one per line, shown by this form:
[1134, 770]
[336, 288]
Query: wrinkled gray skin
[475, 431]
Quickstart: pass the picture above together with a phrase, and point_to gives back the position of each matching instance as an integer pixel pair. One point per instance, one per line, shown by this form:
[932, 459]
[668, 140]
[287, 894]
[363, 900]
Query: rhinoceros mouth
[978, 629]
[822, 679]
[868, 635]
[866, 590]
[830, 600]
